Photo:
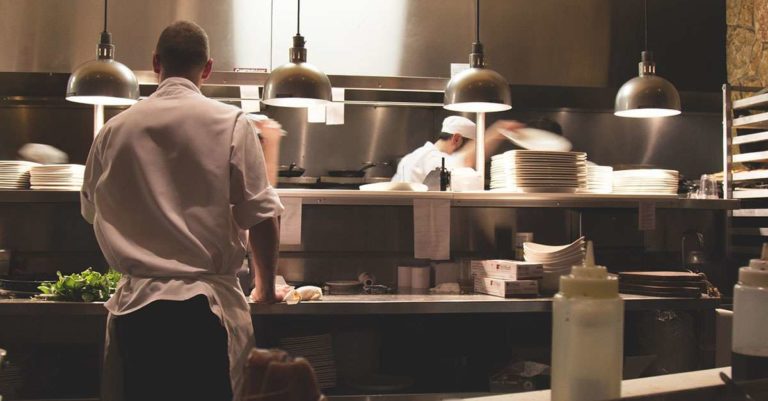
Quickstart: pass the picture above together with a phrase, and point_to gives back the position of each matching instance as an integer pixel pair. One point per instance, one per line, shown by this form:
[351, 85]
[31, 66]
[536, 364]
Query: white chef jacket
[415, 166]
[170, 186]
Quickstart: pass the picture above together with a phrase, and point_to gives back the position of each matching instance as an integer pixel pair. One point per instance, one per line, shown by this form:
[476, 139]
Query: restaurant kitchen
[389, 63]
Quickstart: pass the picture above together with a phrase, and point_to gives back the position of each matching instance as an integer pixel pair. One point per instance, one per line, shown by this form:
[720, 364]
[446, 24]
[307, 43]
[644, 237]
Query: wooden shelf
[750, 231]
[750, 213]
[756, 121]
[752, 102]
[751, 138]
[751, 157]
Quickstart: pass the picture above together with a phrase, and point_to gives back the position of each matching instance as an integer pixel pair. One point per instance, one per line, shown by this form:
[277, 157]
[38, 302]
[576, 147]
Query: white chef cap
[459, 125]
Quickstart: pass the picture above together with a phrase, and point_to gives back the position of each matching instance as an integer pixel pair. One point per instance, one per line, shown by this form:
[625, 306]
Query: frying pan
[291, 170]
[352, 173]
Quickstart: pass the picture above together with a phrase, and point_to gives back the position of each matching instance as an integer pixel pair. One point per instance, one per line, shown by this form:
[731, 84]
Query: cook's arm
[493, 139]
[264, 241]
[270, 137]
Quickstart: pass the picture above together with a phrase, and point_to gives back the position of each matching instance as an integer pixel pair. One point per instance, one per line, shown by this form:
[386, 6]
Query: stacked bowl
[557, 261]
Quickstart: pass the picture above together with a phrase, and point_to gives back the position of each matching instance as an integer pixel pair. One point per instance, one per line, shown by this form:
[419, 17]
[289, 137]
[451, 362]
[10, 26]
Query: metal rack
[745, 122]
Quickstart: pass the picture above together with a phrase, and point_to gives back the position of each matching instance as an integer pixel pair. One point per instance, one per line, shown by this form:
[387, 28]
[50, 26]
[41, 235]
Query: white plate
[536, 139]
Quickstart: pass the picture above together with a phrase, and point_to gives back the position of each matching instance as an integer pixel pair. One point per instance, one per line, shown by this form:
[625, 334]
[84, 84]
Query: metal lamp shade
[477, 90]
[103, 81]
[647, 96]
[297, 84]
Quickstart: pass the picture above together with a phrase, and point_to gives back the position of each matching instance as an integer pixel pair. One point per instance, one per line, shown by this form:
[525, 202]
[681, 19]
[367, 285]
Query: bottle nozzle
[589, 257]
[764, 252]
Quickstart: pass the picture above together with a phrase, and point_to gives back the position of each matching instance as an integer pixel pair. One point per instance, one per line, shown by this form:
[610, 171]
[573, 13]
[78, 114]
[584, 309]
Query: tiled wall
[747, 52]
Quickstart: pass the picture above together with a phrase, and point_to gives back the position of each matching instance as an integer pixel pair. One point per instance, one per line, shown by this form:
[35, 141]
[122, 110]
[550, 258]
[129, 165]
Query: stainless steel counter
[378, 304]
[458, 199]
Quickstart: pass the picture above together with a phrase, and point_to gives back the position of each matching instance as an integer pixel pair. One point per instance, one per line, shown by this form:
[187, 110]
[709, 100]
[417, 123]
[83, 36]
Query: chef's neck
[444, 145]
[196, 79]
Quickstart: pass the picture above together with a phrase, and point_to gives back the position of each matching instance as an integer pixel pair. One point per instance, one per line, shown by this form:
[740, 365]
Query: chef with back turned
[172, 185]
[455, 144]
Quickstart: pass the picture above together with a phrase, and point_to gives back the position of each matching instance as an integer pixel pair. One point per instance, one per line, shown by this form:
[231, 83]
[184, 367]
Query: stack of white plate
[557, 261]
[539, 171]
[599, 179]
[57, 177]
[14, 174]
[645, 182]
[318, 351]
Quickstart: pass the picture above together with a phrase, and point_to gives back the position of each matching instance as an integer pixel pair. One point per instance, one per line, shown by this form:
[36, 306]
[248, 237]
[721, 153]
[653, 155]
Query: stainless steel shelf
[458, 199]
[502, 199]
[758, 121]
[752, 102]
[378, 304]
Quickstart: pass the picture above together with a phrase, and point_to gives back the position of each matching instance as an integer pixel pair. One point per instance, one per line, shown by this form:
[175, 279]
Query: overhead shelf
[752, 102]
[457, 199]
[756, 121]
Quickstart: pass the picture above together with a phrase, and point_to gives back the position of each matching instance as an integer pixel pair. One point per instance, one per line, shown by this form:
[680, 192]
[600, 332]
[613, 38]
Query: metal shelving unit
[745, 122]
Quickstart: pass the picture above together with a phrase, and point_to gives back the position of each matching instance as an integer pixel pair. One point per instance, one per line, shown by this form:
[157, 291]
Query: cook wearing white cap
[455, 144]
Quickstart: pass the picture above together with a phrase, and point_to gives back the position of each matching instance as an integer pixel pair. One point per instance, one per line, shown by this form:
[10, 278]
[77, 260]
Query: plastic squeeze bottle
[587, 334]
[749, 358]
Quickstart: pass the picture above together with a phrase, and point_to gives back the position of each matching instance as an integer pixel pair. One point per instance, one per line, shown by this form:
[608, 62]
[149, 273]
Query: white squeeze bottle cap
[589, 279]
[756, 274]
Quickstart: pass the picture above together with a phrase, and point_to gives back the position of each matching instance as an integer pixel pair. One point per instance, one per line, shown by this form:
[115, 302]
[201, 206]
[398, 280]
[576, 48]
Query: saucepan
[352, 173]
[291, 170]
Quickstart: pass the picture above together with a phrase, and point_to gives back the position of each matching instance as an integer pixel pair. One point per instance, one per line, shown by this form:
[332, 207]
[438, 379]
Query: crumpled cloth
[306, 293]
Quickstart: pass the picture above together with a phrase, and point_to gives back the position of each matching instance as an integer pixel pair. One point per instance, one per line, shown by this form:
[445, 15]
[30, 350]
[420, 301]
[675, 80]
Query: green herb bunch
[87, 286]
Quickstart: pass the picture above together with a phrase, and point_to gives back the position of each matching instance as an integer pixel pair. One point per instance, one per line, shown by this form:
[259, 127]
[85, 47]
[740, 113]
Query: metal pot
[291, 170]
[352, 173]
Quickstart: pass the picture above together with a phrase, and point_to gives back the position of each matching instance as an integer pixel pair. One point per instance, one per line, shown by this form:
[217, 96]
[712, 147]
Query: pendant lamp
[477, 89]
[297, 83]
[647, 95]
[103, 81]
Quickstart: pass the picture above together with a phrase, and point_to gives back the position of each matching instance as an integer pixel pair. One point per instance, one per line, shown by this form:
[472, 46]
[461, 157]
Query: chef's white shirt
[415, 166]
[170, 186]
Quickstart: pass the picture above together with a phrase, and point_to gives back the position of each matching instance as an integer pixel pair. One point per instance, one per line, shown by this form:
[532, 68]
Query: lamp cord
[477, 21]
[645, 22]
[298, 18]
[106, 4]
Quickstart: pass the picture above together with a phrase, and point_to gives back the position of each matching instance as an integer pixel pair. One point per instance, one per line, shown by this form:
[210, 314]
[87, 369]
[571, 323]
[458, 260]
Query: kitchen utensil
[291, 170]
[352, 173]
[344, 287]
[537, 139]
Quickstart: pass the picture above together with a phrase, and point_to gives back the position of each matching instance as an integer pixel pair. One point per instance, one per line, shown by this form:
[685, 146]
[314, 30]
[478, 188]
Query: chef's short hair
[443, 136]
[182, 48]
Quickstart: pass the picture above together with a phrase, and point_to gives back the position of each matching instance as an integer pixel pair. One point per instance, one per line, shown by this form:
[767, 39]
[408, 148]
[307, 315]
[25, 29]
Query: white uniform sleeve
[93, 170]
[253, 199]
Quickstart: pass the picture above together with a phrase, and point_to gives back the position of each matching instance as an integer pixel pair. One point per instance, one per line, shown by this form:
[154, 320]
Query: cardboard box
[507, 269]
[506, 288]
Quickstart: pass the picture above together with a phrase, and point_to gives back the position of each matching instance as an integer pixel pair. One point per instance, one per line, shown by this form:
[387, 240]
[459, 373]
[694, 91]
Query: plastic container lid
[756, 274]
[589, 279]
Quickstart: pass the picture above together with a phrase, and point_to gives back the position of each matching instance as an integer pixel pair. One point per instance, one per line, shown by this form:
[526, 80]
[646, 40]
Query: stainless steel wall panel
[57, 36]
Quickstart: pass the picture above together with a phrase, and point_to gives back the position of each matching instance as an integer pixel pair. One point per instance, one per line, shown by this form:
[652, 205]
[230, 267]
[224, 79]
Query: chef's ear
[457, 140]
[207, 69]
[155, 63]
